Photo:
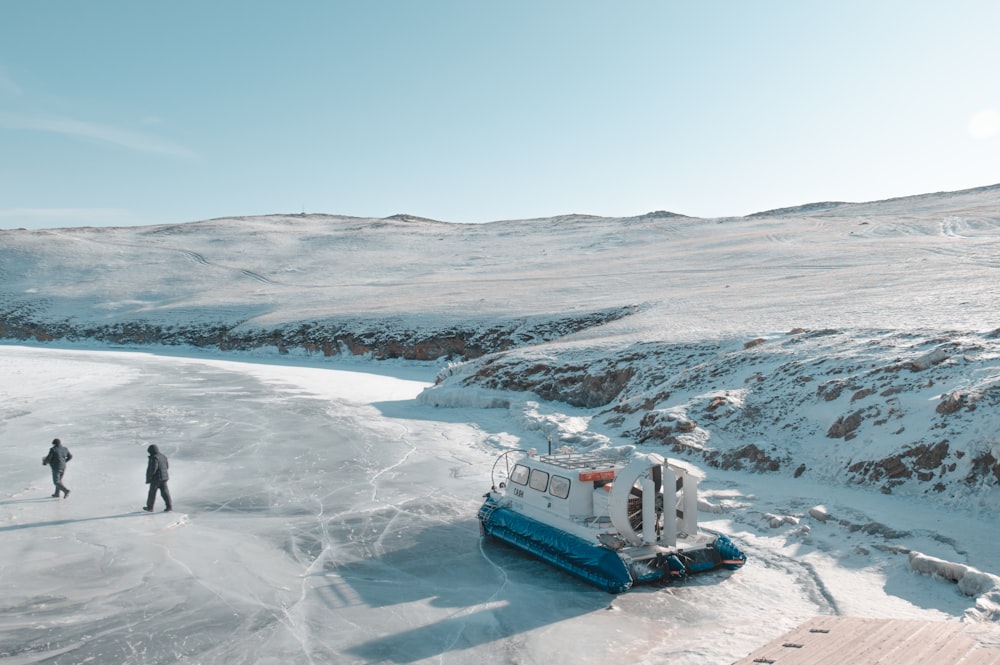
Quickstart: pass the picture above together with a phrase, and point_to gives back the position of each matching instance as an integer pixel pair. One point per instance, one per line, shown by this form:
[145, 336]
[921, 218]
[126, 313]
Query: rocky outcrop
[845, 426]
[923, 462]
[376, 339]
[588, 386]
[750, 457]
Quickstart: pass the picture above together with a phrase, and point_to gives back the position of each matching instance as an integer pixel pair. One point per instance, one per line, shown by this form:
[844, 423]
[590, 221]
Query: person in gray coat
[56, 461]
[156, 478]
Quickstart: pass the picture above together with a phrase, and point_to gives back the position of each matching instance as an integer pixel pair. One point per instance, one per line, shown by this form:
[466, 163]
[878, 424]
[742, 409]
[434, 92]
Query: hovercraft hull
[598, 566]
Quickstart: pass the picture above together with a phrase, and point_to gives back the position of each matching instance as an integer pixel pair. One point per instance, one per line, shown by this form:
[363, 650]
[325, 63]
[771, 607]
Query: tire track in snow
[201, 260]
[804, 574]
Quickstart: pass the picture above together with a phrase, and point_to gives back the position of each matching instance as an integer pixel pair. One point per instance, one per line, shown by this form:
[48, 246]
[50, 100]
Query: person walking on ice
[156, 478]
[56, 460]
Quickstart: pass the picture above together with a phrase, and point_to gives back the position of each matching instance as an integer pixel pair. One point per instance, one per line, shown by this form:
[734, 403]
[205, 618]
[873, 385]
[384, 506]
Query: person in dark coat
[156, 478]
[56, 461]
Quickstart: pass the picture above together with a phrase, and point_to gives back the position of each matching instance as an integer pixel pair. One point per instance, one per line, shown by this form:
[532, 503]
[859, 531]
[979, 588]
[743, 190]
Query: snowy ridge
[902, 412]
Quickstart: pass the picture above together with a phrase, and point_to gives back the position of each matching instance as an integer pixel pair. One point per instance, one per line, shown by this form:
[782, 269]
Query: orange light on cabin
[606, 474]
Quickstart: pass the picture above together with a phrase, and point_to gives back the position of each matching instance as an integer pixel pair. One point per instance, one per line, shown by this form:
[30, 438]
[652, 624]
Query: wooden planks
[829, 640]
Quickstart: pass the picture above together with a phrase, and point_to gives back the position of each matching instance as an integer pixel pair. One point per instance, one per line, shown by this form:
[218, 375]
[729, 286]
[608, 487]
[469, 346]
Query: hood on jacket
[152, 450]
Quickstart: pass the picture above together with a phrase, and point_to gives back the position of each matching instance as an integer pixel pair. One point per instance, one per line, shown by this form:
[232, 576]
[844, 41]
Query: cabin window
[559, 487]
[519, 475]
[539, 480]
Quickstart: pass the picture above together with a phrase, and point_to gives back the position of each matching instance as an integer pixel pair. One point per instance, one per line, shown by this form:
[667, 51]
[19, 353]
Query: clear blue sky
[128, 112]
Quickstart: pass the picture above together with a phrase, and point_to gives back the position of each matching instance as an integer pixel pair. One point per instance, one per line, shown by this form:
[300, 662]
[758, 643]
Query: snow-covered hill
[833, 369]
[920, 262]
[853, 342]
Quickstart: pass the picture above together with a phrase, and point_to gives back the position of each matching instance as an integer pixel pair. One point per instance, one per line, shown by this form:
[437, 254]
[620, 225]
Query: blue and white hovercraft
[613, 518]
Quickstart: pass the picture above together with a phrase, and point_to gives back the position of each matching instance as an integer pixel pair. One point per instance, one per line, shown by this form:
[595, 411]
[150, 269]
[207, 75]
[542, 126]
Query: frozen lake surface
[326, 516]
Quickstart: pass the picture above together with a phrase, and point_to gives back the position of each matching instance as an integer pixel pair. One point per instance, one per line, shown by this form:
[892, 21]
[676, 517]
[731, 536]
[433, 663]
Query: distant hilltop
[831, 205]
[804, 209]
